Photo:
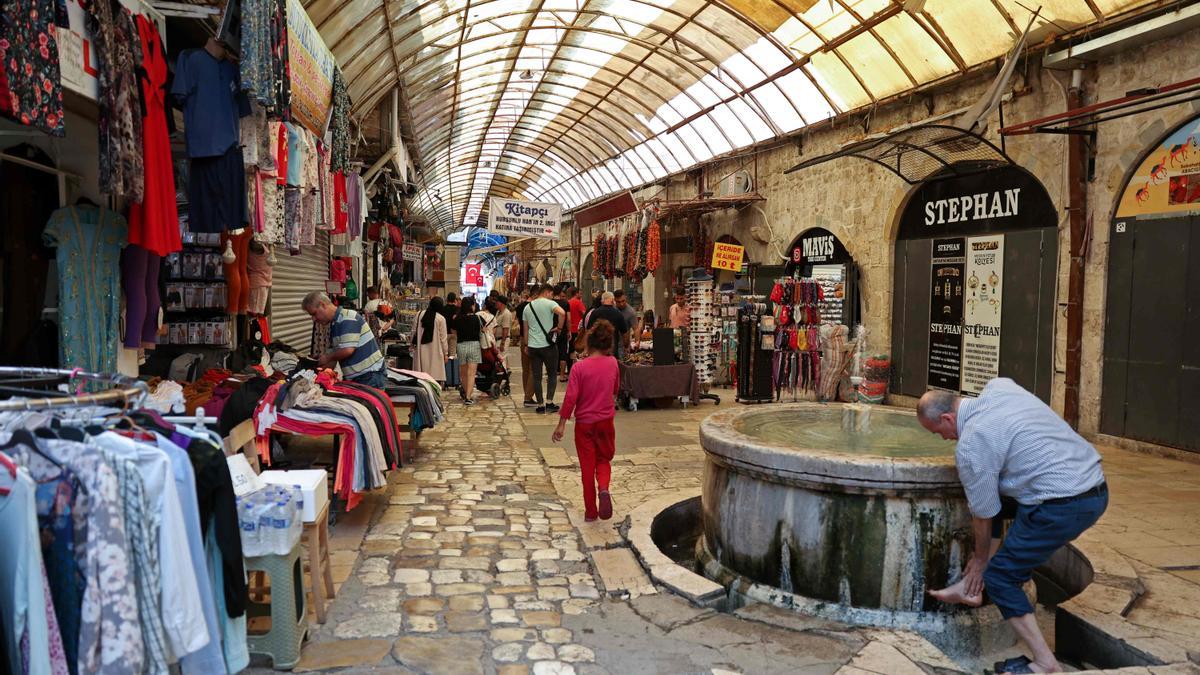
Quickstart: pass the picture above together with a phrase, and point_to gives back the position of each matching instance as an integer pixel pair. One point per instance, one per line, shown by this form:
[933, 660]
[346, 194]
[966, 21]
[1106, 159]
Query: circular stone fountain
[851, 520]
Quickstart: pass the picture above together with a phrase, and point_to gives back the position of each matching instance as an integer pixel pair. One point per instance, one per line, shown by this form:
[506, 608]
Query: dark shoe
[530, 404]
[541, 410]
[605, 505]
[468, 402]
[550, 407]
[589, 519]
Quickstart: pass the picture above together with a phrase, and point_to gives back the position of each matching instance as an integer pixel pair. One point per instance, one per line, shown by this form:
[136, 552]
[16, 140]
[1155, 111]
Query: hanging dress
[154, 223]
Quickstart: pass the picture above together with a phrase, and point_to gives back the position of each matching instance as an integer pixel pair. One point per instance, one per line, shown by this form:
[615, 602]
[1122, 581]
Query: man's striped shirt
[349, 329]
[1011, 443]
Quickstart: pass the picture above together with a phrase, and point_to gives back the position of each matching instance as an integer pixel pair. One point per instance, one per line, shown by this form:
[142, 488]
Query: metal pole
[1077, 213]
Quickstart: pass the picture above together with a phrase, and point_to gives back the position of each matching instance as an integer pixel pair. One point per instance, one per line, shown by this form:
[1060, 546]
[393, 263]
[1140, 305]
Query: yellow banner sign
[728, 256]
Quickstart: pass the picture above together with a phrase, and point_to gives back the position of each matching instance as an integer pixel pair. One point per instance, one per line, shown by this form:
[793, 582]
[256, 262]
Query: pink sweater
[590, 390]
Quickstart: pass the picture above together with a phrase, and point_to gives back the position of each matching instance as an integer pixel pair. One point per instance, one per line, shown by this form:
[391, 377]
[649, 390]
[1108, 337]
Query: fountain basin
[850, 526]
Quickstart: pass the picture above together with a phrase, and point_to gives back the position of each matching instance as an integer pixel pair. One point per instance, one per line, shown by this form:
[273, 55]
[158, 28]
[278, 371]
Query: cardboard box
[313, 483]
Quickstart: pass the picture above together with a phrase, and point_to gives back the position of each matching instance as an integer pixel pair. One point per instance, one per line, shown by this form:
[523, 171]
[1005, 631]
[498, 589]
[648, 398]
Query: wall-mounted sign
[77, 52]
[515, 218]
[981, 312]
[310, 64]
[816, 246]
[727, 256]
[996, 200]
[413, 252]
[946, 314]
[1168, 180]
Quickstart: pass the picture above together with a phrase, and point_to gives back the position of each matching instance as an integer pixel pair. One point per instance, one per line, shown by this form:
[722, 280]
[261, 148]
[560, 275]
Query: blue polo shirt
[212, 99]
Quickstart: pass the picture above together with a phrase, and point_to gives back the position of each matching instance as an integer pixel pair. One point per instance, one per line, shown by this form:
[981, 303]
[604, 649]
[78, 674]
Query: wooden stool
[315, 536]
[413, 434]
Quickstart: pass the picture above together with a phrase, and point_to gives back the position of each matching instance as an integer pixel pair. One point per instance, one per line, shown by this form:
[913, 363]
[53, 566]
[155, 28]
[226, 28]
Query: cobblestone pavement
[476, 560]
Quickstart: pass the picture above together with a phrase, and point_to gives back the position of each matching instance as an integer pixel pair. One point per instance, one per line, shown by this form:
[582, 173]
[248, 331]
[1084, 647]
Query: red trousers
[237, 279]
[595, 443]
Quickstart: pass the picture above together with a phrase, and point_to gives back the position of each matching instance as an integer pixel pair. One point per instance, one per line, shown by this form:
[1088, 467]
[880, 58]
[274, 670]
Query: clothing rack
[24, 382]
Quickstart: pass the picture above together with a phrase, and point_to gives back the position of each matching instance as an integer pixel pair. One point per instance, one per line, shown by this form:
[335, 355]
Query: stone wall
[860, 202]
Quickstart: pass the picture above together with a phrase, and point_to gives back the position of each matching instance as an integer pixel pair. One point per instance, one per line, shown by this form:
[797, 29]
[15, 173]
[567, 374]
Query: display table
[643, 382]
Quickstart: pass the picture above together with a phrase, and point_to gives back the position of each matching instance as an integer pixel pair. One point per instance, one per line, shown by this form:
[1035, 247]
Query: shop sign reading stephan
[727, 256]
[514, 218]
[978, 206]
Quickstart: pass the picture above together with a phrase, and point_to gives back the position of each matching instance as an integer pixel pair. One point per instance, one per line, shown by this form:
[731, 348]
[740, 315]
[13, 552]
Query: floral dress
[120, 119]
[30, 90]
[89, 242]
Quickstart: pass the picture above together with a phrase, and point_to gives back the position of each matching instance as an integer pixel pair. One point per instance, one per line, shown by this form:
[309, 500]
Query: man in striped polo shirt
[352, 344]
[1017, 460]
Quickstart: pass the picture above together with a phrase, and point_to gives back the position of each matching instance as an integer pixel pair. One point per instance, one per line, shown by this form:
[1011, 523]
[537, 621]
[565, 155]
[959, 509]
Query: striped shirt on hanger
[1011, 443]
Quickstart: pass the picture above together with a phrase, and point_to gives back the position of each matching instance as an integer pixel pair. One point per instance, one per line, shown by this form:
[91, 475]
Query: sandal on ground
[1017, 665]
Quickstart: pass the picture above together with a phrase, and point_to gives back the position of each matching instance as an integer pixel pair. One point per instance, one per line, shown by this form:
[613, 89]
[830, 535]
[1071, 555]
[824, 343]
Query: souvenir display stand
[703, 336]
[755, 351]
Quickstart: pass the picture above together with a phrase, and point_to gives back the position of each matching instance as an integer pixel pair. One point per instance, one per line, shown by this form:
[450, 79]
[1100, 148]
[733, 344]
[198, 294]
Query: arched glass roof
[571, 100]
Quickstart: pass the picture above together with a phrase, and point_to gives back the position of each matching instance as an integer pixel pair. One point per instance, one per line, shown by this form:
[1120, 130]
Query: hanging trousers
[236, 275]
[546, 357]
[139, 281]
[595, 444]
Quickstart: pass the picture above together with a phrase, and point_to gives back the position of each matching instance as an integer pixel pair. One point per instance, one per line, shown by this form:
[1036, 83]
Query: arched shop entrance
[819, 255]
[974, 284]
[586, 282]
[1151, 367]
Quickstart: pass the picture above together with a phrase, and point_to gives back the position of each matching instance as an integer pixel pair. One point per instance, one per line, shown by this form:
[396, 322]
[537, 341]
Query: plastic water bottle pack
[270, 520]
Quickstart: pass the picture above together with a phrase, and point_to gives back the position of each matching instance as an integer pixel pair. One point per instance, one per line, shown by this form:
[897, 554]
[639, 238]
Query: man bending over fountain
[1017, 460]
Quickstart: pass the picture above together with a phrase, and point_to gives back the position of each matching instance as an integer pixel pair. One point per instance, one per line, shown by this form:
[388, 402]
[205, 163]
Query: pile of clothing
[318, 404]
[426, 393]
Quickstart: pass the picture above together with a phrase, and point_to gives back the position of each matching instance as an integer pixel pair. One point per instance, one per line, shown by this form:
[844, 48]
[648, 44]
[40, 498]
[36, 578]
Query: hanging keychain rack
[25, 382]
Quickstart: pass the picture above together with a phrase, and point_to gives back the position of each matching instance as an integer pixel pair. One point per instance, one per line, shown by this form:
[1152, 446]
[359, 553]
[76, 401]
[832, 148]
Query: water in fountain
[885, 435]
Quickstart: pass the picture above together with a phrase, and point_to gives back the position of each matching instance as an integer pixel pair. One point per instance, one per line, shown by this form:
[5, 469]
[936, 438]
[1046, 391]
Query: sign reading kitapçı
[514, 218]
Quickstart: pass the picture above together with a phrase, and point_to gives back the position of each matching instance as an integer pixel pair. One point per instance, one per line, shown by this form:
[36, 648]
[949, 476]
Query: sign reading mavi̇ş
[514, 218]
[728, 256]
[981, 312]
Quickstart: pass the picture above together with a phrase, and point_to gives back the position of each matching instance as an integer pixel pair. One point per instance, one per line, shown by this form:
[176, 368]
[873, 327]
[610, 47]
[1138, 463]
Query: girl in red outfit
[590, 390]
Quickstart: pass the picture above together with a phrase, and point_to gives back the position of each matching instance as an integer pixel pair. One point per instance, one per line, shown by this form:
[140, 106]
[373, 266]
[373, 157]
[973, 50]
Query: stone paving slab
[620, 572]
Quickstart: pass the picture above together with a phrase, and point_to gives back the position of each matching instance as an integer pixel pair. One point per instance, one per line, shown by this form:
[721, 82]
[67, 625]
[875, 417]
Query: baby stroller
[491, 375]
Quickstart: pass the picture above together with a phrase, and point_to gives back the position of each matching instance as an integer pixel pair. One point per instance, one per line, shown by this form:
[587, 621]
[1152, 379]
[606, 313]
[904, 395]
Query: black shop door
[1151, 387]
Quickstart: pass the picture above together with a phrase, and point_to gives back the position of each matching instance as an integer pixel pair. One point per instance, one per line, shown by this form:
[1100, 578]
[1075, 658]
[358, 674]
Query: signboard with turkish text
[413, 252]
[988, 202]
[946, 314]
[1168, 180]
[981, 312]
[311, 65]
[515, 218]
[728, 256]
[77, 53]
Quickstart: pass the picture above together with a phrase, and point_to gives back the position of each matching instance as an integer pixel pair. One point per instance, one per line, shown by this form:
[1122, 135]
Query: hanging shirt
[208, 90]
[22, 596]
[182, 613]
[295, 149]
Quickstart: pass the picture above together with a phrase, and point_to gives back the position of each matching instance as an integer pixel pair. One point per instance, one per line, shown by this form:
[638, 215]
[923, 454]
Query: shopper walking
[607, 311]
[521, 337]
[432, 341]
[1017, 460]
[590, 391]
[564, 336]
[544, 320]
[468, 329]
[449, 311]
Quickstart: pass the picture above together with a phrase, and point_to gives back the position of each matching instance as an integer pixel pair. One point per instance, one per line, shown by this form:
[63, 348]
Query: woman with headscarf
[431, 340]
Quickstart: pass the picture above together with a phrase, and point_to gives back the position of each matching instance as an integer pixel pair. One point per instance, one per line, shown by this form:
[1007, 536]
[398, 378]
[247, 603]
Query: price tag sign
[728, 256]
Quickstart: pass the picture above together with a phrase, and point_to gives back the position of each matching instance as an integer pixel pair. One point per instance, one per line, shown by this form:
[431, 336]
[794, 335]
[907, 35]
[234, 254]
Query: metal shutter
[292, 278]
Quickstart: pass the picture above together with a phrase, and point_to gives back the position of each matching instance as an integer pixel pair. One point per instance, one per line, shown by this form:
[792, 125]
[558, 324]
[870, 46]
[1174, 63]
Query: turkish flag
[474, 275]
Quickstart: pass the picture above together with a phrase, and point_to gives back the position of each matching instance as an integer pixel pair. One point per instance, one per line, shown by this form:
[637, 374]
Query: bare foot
[954, 595]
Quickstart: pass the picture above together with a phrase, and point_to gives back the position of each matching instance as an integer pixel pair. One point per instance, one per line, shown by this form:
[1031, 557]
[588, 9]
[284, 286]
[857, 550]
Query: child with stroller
[590, 390]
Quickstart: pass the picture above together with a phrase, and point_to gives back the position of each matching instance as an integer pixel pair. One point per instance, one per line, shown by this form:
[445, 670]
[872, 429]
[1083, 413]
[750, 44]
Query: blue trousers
[1036, 533]
[372, 378]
